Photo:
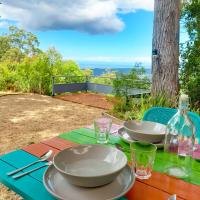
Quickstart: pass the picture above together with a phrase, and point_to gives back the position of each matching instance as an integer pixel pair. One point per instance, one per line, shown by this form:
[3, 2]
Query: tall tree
[18, 43]
[165, 53]
[190, 69]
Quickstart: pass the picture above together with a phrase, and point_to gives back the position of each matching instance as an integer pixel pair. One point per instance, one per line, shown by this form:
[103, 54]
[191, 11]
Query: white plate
[126, 138]
[59, 186]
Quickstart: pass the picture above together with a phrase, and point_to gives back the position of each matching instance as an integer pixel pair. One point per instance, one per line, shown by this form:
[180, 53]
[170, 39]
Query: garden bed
[89, 99]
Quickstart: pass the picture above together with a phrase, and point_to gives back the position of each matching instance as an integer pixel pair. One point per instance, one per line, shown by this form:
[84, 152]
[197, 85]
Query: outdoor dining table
[159, 187]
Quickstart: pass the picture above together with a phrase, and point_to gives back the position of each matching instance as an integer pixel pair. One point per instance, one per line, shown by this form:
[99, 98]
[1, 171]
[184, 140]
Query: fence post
[87, 80]
[53, 82]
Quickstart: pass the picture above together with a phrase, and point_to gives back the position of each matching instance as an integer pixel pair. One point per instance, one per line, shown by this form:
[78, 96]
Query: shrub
[137, 106]
[34, 75]
[105, 79]
[7, 77]
[123, 83]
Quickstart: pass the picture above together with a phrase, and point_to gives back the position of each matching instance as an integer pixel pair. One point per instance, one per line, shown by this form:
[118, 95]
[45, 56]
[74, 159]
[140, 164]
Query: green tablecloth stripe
[87, 136]
[112, 139]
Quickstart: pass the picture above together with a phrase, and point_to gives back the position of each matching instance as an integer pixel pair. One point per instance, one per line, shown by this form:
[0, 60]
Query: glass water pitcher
[179, 141]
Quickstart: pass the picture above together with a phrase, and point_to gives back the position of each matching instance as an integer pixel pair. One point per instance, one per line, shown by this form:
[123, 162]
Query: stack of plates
[89, 172]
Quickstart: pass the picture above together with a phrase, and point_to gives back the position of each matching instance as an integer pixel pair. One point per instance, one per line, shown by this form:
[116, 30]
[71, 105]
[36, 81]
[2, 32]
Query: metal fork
[30, 171]
[42, 159]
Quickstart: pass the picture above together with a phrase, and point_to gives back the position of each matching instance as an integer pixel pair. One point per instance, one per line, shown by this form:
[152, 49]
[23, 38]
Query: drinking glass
[102, 128]
[143, 156]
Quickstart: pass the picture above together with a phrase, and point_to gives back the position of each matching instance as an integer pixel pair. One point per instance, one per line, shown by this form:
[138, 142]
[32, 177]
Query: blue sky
[133, 43]
[89, 31]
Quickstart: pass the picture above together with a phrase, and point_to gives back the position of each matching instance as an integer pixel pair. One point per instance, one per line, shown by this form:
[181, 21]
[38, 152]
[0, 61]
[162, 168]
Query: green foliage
[135, 79]
[25, 68]
[25, 41]
[55, 58]
[105, 79]
[125, 82]
[7, 76]
[17, 44]
[34, 75]
[125, 106]
[144, 104]
[71, 69]
[137, 106]
[87, 72]
[190, 69]
[4, 45]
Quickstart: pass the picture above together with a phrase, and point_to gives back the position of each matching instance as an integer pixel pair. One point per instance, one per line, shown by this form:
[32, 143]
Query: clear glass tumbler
[143, 156]
[102, 128]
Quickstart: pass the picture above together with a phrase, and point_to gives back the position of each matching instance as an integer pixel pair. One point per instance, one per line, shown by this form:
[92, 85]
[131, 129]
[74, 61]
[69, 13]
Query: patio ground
[30, 118]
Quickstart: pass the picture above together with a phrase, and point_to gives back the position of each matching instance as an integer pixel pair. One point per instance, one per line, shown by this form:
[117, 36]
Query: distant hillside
[100, 71]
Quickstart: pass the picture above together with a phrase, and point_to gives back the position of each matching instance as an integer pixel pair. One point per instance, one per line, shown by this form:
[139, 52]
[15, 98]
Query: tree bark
[165, 53]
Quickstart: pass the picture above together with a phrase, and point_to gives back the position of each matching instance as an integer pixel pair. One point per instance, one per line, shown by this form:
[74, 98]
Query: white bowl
[90, 165]
[145, 131]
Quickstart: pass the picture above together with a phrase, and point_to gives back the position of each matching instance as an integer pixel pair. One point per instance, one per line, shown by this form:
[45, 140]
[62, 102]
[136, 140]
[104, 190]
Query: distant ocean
[100, 71]
[100, 68]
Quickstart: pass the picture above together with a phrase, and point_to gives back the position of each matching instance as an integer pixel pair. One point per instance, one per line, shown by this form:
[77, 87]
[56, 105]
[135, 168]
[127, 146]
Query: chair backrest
[163, 115]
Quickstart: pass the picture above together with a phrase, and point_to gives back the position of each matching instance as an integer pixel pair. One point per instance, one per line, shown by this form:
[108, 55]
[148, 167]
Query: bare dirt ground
[90, 99]
[31, 118]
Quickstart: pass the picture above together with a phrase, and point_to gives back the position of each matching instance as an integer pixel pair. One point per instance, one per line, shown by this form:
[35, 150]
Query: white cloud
[92, 16]
[4, 24]
[132, 5]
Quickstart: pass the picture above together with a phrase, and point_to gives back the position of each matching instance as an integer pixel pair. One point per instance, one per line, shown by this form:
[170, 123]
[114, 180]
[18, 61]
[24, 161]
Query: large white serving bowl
[90, 165]
[145, 131]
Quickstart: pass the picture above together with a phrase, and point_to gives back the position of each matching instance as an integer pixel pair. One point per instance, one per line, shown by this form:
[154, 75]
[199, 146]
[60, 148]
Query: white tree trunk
[166, 45]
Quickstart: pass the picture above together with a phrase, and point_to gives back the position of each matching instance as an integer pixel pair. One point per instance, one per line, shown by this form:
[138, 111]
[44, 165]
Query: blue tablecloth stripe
[30, 187]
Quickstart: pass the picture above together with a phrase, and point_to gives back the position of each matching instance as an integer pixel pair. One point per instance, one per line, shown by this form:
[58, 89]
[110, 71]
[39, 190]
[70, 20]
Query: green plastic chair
[163, 115]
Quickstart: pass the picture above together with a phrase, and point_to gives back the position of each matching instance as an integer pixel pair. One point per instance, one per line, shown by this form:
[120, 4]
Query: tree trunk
[165, 54]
